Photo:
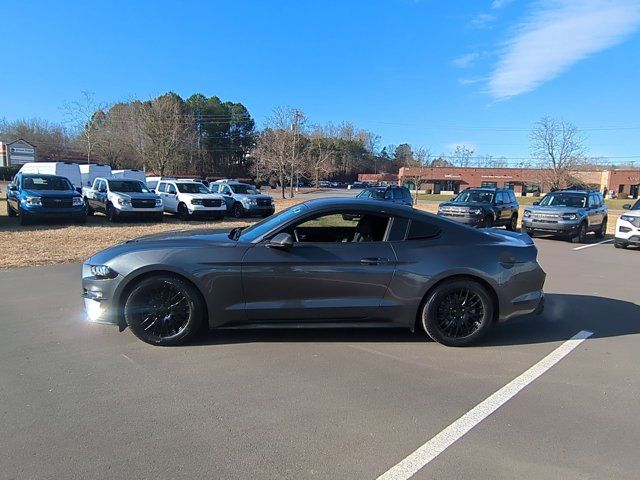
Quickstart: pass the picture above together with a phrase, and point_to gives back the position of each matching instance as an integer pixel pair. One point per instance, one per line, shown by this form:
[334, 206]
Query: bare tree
[415, 162]
[559, 146]
[272, 153]
[462, 155]
[84, 116]
[319, 155]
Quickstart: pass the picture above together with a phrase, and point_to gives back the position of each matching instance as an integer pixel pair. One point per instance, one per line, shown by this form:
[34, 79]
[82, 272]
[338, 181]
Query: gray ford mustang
[331, 262]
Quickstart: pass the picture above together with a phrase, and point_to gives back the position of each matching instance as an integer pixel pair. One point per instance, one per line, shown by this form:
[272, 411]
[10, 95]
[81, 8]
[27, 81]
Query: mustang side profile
[330, 262]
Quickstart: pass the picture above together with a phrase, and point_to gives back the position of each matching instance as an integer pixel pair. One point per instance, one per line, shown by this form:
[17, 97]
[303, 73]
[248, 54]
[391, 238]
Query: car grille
[264, 202]
[546, 217]
[57, 202]
[143, 203]
[211, 202]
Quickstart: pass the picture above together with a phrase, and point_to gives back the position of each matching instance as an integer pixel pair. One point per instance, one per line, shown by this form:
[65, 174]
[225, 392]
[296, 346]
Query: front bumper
[258, 210]
[43, 213]
[212, 212]
[560, 227]
[131, 212]
[471, 220]
[627, 232]
[99, 297]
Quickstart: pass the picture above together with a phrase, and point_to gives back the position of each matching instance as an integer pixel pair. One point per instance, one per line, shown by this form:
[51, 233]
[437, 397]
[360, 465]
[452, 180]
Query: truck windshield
[574, 200]
[194, 187]
[474, 196]
[46, 183]
[243, 189]
[127, 186]
[372, 193]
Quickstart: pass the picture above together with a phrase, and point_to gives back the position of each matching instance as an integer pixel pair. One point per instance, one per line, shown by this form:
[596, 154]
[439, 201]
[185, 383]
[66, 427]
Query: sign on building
[17, 152]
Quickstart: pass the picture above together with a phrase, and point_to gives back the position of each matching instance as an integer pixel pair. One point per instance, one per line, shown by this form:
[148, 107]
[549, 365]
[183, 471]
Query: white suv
[628, 227]
[189, 199]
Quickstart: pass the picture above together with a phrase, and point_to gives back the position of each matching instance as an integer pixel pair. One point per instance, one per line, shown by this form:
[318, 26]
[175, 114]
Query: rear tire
[163, 310]
[513, 223]
[581, 234]
[602, 231]
[457, 312]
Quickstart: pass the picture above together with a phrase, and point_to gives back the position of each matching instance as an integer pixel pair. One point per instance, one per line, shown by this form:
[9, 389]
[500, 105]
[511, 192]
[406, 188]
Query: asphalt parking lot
[84, 401]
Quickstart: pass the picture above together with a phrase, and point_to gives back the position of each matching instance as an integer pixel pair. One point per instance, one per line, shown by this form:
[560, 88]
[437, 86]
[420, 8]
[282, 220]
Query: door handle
[374, 261]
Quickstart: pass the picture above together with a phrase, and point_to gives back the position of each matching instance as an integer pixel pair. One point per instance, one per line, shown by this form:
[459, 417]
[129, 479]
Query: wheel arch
[140, 275]
[461, 276]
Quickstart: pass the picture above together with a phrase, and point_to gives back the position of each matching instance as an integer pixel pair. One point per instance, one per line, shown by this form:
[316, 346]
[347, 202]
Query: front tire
[619, 244]
[183, 212]
[23, 218]
[487, 222]
[10, 211]
[112, 213]
[164, 310]
[457, 313]
[90, 211]
[581, 234]
[238, 210]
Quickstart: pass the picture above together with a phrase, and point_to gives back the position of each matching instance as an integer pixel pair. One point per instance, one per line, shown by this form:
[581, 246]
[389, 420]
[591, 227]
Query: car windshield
[259, 229]
[372, 193]
[192, 187]
[575, 200]
[636, 206]
[244, 189]
[474, 196]
[46, 183]
[128, 186]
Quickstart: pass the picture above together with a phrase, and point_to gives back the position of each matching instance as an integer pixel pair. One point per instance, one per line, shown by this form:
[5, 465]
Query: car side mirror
[627, 206]
[153, 190]
[499, 202]
[14, 188]
[536, 203]
[282, 241]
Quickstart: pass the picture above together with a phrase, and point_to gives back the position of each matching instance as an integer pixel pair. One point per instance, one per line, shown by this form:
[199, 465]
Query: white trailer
[130, 174]
[64, 169]
[91, 171]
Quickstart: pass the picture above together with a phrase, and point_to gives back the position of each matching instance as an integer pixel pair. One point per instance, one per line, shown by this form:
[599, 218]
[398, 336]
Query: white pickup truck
[119, 198]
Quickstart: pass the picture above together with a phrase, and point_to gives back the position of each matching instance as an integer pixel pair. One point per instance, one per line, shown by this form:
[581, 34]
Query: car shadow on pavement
[564, 316]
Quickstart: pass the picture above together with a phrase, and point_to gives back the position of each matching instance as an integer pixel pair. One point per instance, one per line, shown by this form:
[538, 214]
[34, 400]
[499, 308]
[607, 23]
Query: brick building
[523, 181]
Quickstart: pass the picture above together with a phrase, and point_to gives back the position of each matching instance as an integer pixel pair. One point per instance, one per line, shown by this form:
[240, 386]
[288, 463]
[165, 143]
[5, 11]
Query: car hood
[541, 209]
[168, 239]
[256, 196]
[463, 204]
[52, 193]
[137, 195]
[631, 213]
[202, 196]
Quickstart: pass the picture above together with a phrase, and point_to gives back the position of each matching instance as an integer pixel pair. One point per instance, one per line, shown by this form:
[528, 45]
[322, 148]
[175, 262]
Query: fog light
[93, 309]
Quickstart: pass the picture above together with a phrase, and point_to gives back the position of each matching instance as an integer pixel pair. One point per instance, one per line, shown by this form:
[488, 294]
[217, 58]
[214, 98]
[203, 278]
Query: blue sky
[428, 72]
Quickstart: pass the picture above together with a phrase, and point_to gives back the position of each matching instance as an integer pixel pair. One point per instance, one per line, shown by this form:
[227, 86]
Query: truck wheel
[238, 210]
[581, 234]
[602, 231]
[23, 218]
[487, 222]
[183, 212]
[112, 213]
[527, 231]
[10, 211]
[513, 224]
[619, 244]
[90, 210]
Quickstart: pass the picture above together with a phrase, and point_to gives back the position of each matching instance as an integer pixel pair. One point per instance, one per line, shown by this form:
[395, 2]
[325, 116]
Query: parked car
[69, 170]
[35, 196]
[483, 207]
[324, 184]
[90, 172]
[628, 227]
[568, 213]
[243, 200]
[122, 198]
[394, 194]
[189, 199]
[337, 261]
[355, 185]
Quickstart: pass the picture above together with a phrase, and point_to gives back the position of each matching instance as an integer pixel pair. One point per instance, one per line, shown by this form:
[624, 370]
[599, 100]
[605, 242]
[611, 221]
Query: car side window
[343, 227]
[499, 198]
[171, 188]
[161, 187]
[407, 194]
[215, 188]
[422, 230]
[512, 196]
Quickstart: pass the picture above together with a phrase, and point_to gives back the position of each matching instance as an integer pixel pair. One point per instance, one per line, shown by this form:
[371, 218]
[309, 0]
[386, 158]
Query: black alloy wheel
[23, 217]
[581, 234]
[183, 212]
[238, 210]
[457, 313]
[10, 211]
[163, 310]
[513, 224]
[88, 208]
[112, 213]
[487, 222]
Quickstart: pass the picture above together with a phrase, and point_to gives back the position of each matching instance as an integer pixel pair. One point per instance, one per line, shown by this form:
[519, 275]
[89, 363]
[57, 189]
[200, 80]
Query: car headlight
[78, 201]
[569, 216]
[158, 202]
[102, 271]
[33, 201]
[527, 213]
[196, 201]
[635, 221]
[475, 211]
[249, 201]
[124, 202]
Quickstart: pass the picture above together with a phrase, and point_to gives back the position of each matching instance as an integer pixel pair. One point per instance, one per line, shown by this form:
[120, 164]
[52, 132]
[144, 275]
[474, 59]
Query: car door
[332, 271]
[227, 194]
[13, 195]
[99, 200]
[500, 207]
[170, 198]
[592, 211]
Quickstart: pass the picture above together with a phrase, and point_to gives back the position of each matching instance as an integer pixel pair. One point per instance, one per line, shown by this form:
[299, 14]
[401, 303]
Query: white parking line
[594, 244]
[447, 437]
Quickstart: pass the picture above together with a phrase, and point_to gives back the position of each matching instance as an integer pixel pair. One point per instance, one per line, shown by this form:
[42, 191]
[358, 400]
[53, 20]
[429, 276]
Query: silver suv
[243, 199]
[568, 213]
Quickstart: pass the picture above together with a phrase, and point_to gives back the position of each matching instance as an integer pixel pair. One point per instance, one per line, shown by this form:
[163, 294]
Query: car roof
[364, 204]
[46, 175]
[581, 192]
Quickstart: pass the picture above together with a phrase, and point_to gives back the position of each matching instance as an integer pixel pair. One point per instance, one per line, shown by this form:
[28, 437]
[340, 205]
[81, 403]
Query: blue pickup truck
[36, 196]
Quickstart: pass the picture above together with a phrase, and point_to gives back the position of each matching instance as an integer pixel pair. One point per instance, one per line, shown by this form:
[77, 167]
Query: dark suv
[483, 207]
[400, 195]
[570, 213]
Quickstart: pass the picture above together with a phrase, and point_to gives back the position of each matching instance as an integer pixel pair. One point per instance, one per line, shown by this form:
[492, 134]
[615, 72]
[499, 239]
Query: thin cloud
[465, 61]
[483, 20]
[556, 35]
[496, 4]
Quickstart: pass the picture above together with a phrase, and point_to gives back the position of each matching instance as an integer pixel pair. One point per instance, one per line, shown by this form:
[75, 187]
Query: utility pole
[297, 115]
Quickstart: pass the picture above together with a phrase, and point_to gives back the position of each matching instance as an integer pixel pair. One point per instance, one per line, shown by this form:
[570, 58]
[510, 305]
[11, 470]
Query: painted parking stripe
[447, 437]
[594, 244]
